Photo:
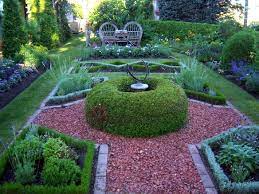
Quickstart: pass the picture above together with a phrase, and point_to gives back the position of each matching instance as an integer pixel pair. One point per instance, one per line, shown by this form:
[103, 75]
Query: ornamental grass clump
[191, 76]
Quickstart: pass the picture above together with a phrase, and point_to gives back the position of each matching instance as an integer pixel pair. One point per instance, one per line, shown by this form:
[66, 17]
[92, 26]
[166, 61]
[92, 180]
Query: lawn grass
[25, 104]
[242, 100]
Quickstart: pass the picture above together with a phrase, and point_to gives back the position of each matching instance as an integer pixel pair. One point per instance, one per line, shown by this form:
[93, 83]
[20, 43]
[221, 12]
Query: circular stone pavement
[148, 165]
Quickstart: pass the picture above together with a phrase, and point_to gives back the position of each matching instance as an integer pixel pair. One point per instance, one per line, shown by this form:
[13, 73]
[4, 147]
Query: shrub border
[84, 187]
[118, 67]
[219, 99]
[225, 185]
[57, 100]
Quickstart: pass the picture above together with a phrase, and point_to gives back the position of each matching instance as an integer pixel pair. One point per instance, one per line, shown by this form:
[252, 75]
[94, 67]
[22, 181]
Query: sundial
[139, 82]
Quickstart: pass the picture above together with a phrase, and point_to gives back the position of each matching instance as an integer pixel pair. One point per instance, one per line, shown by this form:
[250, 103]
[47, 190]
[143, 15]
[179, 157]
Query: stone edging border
[101, 170]
[205, 177]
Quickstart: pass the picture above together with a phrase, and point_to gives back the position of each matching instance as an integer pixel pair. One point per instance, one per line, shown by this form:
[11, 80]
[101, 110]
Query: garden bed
[62, 164]
[9, 95]
[233, 159]
[155, 165]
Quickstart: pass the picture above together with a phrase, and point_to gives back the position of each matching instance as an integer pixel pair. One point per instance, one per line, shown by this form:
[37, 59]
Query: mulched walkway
[155, 165]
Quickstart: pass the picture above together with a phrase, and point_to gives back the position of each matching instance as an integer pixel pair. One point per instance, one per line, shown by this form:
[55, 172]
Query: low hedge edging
[225, 185]
[82, 188]
[56, 100]
[154, 67]
[113, 107]
[219, 99]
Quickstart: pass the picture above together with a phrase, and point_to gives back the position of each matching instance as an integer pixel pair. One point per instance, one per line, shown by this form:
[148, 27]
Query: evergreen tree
[194, 11]
[43, 13]
[13, 29]
[61, 11]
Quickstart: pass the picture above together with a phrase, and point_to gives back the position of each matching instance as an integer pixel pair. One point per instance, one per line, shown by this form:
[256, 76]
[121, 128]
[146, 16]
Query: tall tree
[13, 29]
[43, 13]
[196, 10]
[61, 8]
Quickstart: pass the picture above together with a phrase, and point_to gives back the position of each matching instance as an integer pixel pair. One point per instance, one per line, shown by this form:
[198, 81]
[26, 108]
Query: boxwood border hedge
[224, 184]
[137, 114]
[154, 66]
[83, 188]
[219, 99]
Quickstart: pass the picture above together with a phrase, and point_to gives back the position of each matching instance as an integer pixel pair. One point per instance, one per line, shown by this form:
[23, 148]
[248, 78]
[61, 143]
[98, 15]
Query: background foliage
[14, 33]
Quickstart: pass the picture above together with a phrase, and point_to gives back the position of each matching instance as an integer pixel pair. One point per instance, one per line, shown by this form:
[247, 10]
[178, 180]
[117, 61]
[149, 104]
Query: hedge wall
[175, 29]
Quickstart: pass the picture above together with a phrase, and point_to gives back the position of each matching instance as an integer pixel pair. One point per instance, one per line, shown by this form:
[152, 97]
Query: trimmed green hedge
[225, 185]
[175, 29]
[56, 100]
[112, 107]
[218, 99]
[83, 188]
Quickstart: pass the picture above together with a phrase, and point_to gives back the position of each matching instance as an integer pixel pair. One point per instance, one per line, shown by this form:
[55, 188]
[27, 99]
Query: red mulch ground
[156, 165]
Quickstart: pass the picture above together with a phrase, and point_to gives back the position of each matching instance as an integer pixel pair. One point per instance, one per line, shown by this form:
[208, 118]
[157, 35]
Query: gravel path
[154, 165]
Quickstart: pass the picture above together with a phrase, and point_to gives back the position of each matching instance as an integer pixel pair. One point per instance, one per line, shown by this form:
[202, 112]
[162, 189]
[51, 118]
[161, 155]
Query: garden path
[150, 165]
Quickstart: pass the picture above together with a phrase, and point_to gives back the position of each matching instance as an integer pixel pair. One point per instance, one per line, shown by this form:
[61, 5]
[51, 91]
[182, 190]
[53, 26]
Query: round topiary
[113, 107]
[240, 46]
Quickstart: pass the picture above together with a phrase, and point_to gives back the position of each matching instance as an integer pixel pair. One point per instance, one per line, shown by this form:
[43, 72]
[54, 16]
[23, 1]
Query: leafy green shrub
[60, 172]
[113, 108]
[25, 172]
[13, 29]
[73, 83]
[33, 56]
[171, 63]
[120, 12]
[43, 13]
[108, 11]
[252, 83]
[175, 29]
[217, 98]
[56, 148]
[238, 47]
[117, 62]
[81, 186]
[234, 155]
[208, 51]
[129, 52]
[211, 148]
[28, 149]
[228, 28]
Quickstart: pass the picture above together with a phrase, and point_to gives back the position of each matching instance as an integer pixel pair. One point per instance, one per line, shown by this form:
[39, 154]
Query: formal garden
[131, 105]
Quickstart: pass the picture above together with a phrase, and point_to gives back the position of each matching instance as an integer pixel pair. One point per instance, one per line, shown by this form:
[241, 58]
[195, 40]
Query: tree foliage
[43, 13]
[121, 11]
[62, 8]
[194, 11]
[13, 29]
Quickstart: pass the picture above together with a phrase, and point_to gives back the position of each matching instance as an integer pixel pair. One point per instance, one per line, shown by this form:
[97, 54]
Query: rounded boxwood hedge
[114, 108]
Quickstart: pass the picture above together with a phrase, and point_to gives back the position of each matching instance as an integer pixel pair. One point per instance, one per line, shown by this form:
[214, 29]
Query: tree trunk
[246, 13]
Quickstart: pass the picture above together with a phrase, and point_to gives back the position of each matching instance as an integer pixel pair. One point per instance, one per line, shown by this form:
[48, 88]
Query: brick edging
[101, 170]
[205, 177]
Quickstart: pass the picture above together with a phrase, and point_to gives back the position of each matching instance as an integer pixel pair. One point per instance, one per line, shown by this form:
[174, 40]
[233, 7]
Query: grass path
[25, 104]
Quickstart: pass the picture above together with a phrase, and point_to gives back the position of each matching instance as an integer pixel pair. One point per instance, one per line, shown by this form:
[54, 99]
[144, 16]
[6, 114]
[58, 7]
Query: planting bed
[7, 96]
[155, 165]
